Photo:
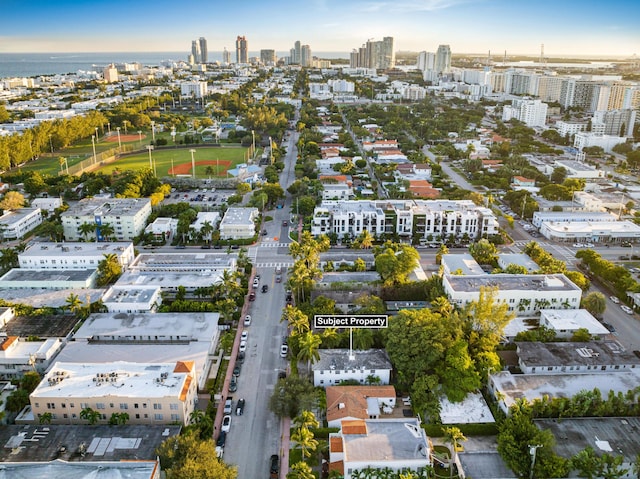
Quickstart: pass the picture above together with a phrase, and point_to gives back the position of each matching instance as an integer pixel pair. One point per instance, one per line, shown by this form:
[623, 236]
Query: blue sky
[576, 27]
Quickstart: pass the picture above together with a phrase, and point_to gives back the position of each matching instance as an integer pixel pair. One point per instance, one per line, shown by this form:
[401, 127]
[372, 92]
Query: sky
[565, 27]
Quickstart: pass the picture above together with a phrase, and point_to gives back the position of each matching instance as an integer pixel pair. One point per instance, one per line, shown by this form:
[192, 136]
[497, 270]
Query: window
[51, 405]
[158, 417]
[100, 405]
[135, 405]
[111, 405]
[175, 417]
[65, 416]
[173, 406]
[84, 405]
[124, 405]
[157, 405]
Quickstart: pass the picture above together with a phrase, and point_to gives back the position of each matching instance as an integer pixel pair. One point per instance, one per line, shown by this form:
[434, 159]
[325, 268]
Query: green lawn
[219, 159]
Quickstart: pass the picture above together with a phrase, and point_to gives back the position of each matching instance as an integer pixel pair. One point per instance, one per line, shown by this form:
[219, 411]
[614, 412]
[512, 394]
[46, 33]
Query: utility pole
[193, 163]
[532, 451]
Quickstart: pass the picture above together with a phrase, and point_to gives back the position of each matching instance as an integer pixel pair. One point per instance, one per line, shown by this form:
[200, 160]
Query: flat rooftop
[197, 326]
[36, 443]
[472, 410]
[129, 294]
[615, 435]
[535, 386]
[575, 165]
[107, 207]
[58, 468]
[11, 217]
[40, 297]
[519, 259]
[118, 379]
[74, 249]
[338, 359]
[186, 261]
[29, 275]
[594, 227]
[170, 280]
[593, 353]
[239, 216]
[572, 319]
[462, 262]
[387, 440]
[512, 282]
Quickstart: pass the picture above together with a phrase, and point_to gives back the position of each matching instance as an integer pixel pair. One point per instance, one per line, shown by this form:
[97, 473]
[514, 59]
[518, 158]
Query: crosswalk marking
[274, 264]
[273, 245]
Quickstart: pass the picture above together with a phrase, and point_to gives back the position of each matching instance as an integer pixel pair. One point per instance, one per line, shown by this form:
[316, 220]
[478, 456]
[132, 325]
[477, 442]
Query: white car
[256, 282]
[243, 346]
[247, 320]
[226, 423]
[626, 309]
[614, 299]
[244, 336]
[284, 349]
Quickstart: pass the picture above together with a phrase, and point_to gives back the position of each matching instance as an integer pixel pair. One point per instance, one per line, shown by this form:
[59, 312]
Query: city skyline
[569, 27]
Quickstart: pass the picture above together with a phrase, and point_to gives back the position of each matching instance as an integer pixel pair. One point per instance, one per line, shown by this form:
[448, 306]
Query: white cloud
[408, 6]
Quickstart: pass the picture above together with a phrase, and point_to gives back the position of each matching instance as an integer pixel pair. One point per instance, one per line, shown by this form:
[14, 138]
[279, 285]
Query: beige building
[127, 217]
[163, 393]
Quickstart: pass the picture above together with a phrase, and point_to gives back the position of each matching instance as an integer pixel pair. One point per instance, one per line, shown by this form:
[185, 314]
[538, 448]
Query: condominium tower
[374, 54]
[443, 59]
[204, 56]
[242, 50]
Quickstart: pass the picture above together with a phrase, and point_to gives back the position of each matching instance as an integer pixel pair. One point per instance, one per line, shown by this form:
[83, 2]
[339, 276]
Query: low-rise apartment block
[16, 224]
[73, 256]
[429, 220]
[238, 223]
[148, 393]
[525, 294]
[127, 217]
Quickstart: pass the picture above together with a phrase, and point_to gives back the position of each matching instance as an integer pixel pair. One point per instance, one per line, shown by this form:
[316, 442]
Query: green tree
[73, 303]
[109, 269]
[188, 457]
[297, 321]
[300, 470]
[442, 250]
[45, 418]
[594, 302]
[17, 400]
[90, 415]
[85, 229]
[30, 381]
[484, 252]
[303, 439]
[107, 231]
[453, 436]
[12, 200]
[394, 263]
[365, 240]
[309, 344]
[558, 175]
[292, 395]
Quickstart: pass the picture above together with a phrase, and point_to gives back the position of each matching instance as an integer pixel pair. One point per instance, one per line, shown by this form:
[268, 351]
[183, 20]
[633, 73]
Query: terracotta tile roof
[337, 466]
[522, 179]
[354, 399]
[356, 426]
[184, 366]
[185, 389]
[336, 444]
[338, 178]
[423, 189]
[8, 342]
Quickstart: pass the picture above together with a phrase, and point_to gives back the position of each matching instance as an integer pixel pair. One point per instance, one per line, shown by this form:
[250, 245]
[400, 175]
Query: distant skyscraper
[268, 57]
[305, 56]
[226, 56]
[443, 59]
[204, 55]
[242, 50]
[374, 54]
[426, 61]
[195, 51]
[297, 55]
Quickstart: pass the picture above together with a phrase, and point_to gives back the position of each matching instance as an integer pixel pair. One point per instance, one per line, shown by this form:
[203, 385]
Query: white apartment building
[577, 169]
[429, 220]
[606, 142]
[540, 217]
[16, 224]
[132, 299]
[389, 444]
[336, 365]
[593, 232]
[239, 223]
[162, 393]
[127, 217]
[18, 355]
[337, 191]
[193, 89]
[531, 112]
[525, 294]
[163, 228]
[73, 256]
[47, 204]
[566, 322]
[568, 128]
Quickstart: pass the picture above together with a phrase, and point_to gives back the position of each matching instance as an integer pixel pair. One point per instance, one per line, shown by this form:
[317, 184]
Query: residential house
[358, 402]
[566, 322]
[338, 365]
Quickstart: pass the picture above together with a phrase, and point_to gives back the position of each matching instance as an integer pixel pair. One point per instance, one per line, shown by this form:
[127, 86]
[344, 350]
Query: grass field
[220, 159]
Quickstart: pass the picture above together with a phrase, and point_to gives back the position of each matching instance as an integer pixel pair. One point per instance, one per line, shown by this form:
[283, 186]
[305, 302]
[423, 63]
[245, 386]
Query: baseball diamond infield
[185, 168]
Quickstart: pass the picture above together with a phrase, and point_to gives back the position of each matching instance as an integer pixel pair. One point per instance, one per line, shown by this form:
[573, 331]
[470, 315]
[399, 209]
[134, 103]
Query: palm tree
[306, 419]
[309, 344]
[330, 337]
[73, 303]
[442, 306]
[296, 320]
[300, 470]
[85, 229]
[8, 258]
[365, 240]
[453, 436]
[206, 230]
[107, 231]
[45, 418]
[304, 440]
[90, 415]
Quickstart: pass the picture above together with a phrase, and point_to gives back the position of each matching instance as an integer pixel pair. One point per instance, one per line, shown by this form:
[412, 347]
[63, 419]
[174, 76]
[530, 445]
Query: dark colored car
[265, 288]
[240, 407]
[236, 370]
[222, 438]
[274, 466]
[233, 385]
[241, 357]
[285, 223]
[252, 296]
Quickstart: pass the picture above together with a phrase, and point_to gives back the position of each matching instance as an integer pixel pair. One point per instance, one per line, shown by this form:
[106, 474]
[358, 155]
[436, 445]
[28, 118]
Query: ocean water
[35, 64]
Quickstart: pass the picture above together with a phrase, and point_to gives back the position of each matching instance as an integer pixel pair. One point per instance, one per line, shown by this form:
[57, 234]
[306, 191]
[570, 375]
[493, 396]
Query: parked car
[222, 439]
[274, 466]
[243, 346]
[279, 279]
[626, 309]
[247, 320]
[285, 223]
[228, 406]
[265, 288]
[244, 336]
[609, 327]
[233, 385]
[252, 296]
[284, 350]
[240, 407]
[241, 357]
[614, 299]
[236, 370]
[226, 423]
[256, 282]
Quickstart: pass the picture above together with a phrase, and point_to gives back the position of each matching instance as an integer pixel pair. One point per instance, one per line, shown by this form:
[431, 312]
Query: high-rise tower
[195, 51]
[443, 59]
[242, 50]
[204, 56]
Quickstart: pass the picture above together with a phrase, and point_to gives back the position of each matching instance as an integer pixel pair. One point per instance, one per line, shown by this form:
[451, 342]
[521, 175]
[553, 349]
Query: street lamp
[150, 147]
[153, 131]
[532, 451]
[193, 163]
[109, 127]
[140, 137]
[119, 142]
[93, 143]
[96, 128]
